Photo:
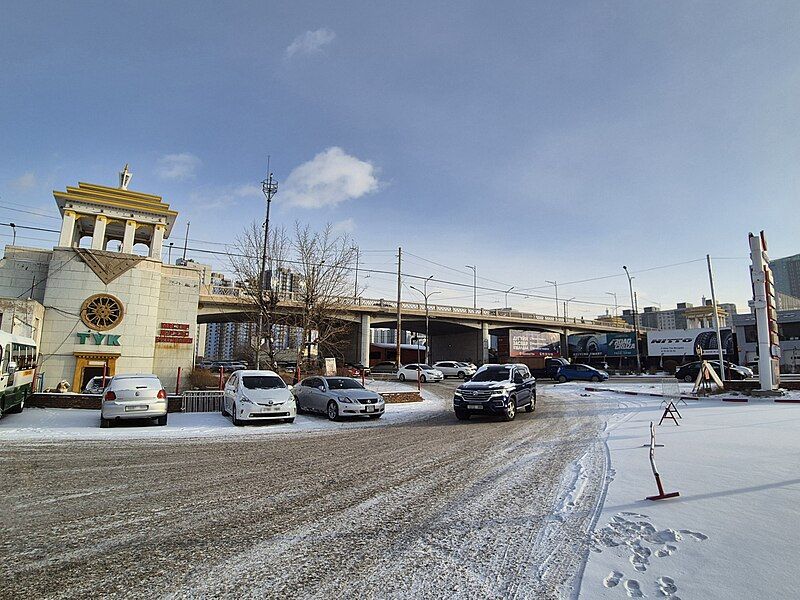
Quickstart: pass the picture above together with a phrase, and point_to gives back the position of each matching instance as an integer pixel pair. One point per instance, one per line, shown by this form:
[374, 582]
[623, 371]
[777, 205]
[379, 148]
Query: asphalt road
[427, 509]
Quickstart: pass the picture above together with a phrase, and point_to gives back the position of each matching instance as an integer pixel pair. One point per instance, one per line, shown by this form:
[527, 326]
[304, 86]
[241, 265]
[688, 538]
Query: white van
[252, 395]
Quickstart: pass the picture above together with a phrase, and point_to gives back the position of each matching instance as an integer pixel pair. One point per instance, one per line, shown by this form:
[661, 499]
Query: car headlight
[499, 393]
[457, 394]
[246, 400]
[345, 399]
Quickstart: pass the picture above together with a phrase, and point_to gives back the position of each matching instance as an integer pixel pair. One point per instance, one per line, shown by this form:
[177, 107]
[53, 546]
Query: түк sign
[174, 333]
[98, 338]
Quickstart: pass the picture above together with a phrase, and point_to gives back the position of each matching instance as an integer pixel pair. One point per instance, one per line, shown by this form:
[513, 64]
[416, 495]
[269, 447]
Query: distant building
[388, 336]
[788, 334]
[786, 277]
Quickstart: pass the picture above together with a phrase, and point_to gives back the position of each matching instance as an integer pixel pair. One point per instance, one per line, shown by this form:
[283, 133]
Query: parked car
[549, 368]
[472, 366]
[689, 371]
[423, 372]
[384, 367]
[95, 384]
[134, 396]
[454, 369]
[338, 397]
[496, 390]
[580, 372]
[252, 395]
[355, 369]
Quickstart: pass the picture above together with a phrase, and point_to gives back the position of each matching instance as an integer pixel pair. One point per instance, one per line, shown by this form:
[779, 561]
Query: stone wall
[85, 401]
[22, 269]
[400, 397]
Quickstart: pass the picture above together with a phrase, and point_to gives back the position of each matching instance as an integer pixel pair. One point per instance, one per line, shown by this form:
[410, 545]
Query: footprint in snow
[612, 579]
[667, 587]
[665, 550]
[695, 535]
[633, 588]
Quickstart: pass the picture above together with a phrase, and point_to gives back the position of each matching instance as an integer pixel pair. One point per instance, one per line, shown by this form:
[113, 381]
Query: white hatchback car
[423, 372]
[258, 396]
[454, 369]
[133, 396]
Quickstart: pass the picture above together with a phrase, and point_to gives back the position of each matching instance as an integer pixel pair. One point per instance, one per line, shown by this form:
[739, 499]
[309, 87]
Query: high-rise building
[786, 277]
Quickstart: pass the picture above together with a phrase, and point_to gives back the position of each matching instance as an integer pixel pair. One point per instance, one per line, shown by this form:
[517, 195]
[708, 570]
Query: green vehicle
[17, 368]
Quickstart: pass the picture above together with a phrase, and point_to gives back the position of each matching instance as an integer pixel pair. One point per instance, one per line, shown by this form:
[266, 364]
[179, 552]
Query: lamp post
[555, 285]
[508, 290]
[566, 307]
[269, 188]
[474, 285]
[426, 295]
[615, 301]
[355, 288]
[13, 233]
[635, 324]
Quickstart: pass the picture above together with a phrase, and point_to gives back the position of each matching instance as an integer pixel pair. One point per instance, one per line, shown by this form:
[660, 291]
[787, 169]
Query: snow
[732, 532]
[45, 424]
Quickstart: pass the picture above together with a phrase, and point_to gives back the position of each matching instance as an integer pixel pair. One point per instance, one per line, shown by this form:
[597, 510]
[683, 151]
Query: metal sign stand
[669, 413]
[661, 495]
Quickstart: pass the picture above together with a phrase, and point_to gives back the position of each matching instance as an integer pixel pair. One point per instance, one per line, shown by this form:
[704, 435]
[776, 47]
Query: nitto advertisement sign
[602, 344]
[533, 343]
[686, 342]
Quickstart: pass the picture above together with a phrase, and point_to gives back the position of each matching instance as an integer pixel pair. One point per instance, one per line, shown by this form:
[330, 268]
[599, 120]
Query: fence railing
[201, 401]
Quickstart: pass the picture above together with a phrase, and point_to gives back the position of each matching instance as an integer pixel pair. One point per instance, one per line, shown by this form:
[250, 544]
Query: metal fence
[201, 401]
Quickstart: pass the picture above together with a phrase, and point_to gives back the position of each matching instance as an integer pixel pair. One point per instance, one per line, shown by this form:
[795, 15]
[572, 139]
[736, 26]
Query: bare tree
[246, 263]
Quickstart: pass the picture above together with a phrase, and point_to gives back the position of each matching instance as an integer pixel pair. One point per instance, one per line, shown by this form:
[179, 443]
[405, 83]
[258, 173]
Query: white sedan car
[258, 396]
[416, 371]
[454, 369]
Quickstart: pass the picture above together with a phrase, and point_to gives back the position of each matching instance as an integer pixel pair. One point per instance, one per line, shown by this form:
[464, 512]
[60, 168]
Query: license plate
[370, 409]
[475, 406]
[137, 408]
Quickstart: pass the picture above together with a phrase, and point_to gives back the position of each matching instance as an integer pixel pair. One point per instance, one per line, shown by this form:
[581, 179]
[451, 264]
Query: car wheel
[236, 421]
[422, 379]
[224, 412]
[333, 411]
[532, 406]
[511, 410]
[595, 379]
[562, 379]
[291, 420]
[105, 423]
[462, 415]
[461, 374]
[18, 408]
[688, 378]
[402, 377]
[162, 420]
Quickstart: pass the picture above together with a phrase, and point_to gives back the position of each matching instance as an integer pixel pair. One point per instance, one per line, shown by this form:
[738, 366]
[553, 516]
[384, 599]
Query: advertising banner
[602, 344]
[533, 343]
[685, 342]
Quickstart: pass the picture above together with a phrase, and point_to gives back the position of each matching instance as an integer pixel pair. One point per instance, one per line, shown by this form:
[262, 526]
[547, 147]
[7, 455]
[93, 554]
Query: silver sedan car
[337, 397]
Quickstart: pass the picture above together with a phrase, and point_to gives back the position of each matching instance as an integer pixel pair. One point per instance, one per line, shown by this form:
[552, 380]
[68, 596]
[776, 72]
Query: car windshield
[343, 383]
[493, 374]
[262, 382]
[425, 367]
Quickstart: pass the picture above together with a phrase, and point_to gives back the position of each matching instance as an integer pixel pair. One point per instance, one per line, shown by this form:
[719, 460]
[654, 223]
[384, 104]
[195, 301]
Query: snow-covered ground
[733, 531]
[66, 423]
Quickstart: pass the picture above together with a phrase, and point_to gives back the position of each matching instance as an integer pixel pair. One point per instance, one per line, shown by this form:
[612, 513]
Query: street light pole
[554, 284]
[426, 295]
[474, 284]
[269, 188]
[635, 324]
[615, 301]
[508, 290]
[566, 307]
[355, 288]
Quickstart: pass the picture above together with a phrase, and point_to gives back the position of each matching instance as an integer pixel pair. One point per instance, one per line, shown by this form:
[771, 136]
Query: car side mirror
[322, 388]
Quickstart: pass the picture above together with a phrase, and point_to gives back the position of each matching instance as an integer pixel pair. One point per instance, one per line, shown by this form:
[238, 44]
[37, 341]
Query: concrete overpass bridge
[456, 332]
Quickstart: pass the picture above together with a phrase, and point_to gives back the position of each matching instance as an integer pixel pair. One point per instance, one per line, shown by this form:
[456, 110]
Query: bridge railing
[350, 301]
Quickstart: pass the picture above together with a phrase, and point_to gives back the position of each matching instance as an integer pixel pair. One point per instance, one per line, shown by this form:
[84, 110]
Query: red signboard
[174, 333]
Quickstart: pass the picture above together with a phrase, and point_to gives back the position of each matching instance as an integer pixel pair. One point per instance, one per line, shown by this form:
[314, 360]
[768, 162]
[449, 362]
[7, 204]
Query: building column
[67, 229]
[565, 344]
[130, 233]
[157, 241]
[363, 356]
[486, 341]
[99, 235]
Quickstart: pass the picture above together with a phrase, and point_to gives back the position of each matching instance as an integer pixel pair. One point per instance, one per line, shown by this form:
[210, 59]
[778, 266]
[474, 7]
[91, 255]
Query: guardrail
[201, 401]
[351, 302]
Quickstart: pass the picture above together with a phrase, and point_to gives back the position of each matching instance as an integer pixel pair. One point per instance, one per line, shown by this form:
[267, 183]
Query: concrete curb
[684, 397]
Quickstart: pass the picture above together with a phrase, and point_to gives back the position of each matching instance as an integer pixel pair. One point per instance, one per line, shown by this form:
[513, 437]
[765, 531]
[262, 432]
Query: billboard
[602, 344]
[533, 343]
[684, 342]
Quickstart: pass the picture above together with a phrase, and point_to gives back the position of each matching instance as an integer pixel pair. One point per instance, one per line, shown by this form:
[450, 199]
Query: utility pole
[474, 285]
[554, 284]
[399, 299]
[508, 290]
[716, 320]
[635, 324]
[186, 241]
[615, 301]
[355, 287]
[269, 187]
[426, 295]
[169, 254]
[566, 307]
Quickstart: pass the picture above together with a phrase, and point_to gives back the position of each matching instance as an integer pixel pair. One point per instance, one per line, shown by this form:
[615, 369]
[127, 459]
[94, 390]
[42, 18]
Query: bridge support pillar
[565, 344]
[486, 341]
[363, 354]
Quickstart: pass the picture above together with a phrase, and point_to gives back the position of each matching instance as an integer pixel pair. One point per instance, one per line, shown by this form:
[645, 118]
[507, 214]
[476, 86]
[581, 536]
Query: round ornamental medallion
[101, 312]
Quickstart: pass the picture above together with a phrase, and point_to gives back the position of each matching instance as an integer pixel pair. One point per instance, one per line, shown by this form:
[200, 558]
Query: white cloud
[310, 42]
[177, 167]
[220, 197]
[345, 226]
[25, 181]
[328, 179]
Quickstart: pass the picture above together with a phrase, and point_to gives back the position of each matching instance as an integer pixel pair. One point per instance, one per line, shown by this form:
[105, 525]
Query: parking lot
[421, 507]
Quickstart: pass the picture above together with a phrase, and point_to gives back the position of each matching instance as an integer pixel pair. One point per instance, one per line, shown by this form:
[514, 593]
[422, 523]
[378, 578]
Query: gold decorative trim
[102, 312]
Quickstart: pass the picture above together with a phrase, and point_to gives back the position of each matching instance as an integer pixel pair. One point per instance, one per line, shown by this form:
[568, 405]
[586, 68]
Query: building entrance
[88, 365]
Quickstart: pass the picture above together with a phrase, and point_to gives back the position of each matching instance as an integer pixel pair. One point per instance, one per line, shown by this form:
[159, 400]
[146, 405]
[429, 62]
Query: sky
[538, 141]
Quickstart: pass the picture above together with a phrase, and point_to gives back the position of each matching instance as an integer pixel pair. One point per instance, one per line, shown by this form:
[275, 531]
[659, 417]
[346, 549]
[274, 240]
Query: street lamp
[554, 284]
[269, 187]
[426, 295]
[355, 288]
[615, 301]
[13, 233]
[635, 325]
[474, 285]
[508, 290]
[566, 307]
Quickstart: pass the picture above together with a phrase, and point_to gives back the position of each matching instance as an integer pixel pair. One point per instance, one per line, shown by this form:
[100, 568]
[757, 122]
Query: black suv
[496, 390]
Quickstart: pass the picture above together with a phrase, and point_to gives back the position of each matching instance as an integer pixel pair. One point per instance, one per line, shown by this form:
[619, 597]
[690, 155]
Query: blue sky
[540, 141]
